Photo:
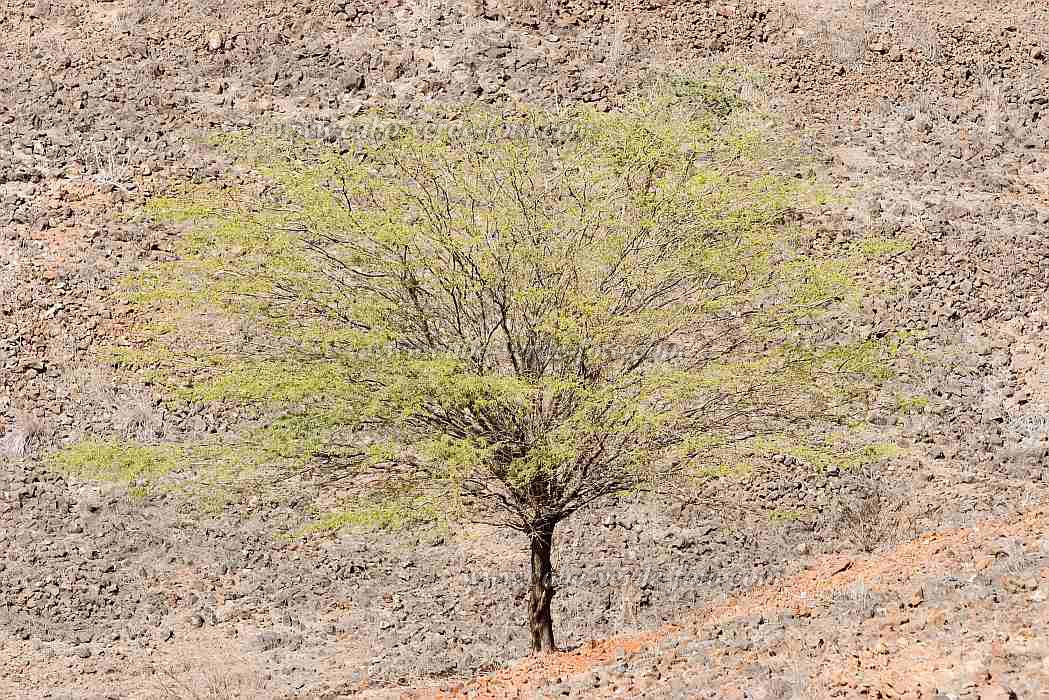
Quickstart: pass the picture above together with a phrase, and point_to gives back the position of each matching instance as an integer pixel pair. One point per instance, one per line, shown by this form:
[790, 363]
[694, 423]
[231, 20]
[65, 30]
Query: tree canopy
[520, 316]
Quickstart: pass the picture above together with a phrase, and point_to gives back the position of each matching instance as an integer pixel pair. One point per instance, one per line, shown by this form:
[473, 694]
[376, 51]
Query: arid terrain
[929, 121]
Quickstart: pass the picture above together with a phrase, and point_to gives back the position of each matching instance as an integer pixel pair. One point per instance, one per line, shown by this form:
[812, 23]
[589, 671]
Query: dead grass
[865, 520]
[215, 682]
[877, 516]
[137, 418]
[25, 432]
[132, 411]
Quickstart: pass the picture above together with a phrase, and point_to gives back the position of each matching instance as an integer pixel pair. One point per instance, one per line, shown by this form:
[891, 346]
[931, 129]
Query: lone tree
[523, 317]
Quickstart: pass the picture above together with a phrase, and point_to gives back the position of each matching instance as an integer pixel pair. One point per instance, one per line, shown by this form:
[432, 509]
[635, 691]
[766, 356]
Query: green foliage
[911, 404]
[210, 475]
[533, 323]
[782, 516]
[717, 88]
[117, 462]
[137, 493]
[878, 246]
[842, 448]
[372, 513]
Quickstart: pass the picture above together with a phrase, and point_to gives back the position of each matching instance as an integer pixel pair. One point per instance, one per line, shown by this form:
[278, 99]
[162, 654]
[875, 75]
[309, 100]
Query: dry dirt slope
[953, 614]
[931, 116]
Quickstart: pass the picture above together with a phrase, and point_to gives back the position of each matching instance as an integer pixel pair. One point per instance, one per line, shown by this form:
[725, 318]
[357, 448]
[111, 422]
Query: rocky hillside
[930, 119]
[948, 615]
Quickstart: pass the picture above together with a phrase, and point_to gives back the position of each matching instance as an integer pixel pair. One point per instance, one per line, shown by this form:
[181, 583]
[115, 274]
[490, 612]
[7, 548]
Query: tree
[520, 317]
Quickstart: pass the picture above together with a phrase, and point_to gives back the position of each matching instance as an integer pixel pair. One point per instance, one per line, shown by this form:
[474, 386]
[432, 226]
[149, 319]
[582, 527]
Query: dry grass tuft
[25, 430]
[137, 418]
[190, 682]
[877, 517]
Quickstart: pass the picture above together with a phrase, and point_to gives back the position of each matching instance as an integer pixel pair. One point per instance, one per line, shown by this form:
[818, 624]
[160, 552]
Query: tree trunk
[541, 592]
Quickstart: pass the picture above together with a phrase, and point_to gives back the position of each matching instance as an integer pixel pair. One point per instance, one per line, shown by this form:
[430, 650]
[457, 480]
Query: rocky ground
[931, 120]
[951, 614]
